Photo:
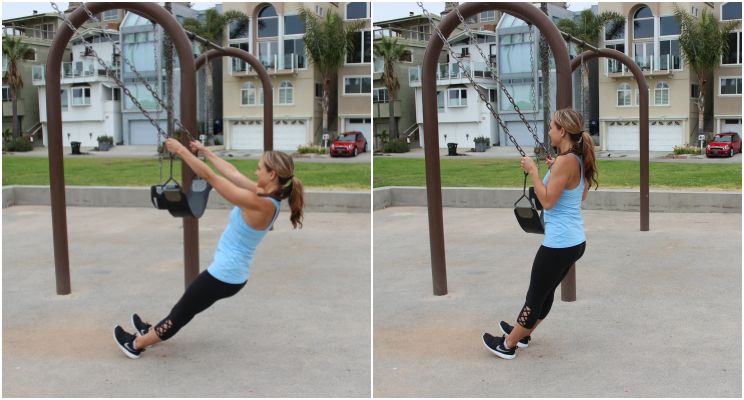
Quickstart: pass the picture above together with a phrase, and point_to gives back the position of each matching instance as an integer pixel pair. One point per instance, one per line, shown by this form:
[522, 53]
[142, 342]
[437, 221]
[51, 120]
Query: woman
[256, 209]
[561, 192]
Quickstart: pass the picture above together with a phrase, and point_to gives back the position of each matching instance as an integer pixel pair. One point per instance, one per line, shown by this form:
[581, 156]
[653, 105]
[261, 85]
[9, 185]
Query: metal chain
[494, 75]
[472, 81]
[535, 78]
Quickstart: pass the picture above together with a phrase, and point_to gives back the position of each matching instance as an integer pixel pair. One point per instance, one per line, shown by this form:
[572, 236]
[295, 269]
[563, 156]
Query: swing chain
[477, 87]
[495, 76]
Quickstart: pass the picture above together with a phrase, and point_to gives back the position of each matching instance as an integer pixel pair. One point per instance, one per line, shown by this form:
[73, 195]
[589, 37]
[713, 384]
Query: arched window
[661, 94]
[623, 95]
[286, 93]
[643, 23]
[248, 94]
[268, 22]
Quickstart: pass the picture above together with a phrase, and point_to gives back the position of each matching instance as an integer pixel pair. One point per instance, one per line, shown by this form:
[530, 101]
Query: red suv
[724, 144]
[348, 143]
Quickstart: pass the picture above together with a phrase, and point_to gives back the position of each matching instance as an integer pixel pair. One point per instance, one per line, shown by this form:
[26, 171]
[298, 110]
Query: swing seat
[529, 219]
[170, 196]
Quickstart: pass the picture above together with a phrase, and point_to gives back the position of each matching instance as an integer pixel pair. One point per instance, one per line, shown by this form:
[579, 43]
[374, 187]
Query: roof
[31, 17]
[405, 19]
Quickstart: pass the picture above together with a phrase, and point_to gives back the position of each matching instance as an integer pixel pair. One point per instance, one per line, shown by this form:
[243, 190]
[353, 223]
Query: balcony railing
[453, 71]
[287, 63]
[28, 32]
[402, 34]
[69, 70]
[664, 63]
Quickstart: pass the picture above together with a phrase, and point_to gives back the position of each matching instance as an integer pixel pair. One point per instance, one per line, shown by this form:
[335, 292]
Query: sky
[15, 9]
[383, 11]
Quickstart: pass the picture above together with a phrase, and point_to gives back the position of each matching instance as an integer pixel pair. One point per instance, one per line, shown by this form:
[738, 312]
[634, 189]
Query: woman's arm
[225, 168]
[559, 175]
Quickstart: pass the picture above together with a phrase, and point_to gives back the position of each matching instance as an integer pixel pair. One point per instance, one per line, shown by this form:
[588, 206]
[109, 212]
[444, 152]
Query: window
[286, 93]
[140, 92]
[670, 55]
[319, 10]
[661, 94]
[294, 53]
[30, 55]
[643, 54]
[357, 84]
[238, 65]
[44, 31]
[694, 91]
[521, 92]
[731, 11]
[267, 52]
[378, 65]
[111, 15]
[440, 101]
[730, 86]
[6, 93]
[487, 16]
[733, 56]
[318, 89]
[623, 95]
[493, 95]
[238, 30]
[615, 31]
[248, 94]
[362, 51]
[694, 11]
[64, 99]
[615, 66]
[268, 22]
[514, 55]
[293, 25]
[356, 10]
[457, 97]
[81, 96]
[643, 23]
[406, 56]
[380, 95]
[669, 26]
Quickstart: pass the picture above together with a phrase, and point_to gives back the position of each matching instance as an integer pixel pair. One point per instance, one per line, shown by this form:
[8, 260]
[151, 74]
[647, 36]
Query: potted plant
[105, 142]
[481, 143]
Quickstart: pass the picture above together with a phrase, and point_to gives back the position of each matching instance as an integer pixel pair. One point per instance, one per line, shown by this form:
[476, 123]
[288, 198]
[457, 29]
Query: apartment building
[727, 77]
[90, 98]
[37, 31]
[651, 39]
[275, 37]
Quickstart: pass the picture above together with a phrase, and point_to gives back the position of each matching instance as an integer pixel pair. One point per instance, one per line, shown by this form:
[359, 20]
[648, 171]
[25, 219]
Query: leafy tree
[391, 53]
[14, 51]
[327, 41]
[588, 28]
[702, 42]
[212, 28]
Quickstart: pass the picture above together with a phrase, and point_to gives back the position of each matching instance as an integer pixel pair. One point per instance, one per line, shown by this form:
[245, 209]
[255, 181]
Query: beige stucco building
[275, 37]
[727, 77]
[650, 38]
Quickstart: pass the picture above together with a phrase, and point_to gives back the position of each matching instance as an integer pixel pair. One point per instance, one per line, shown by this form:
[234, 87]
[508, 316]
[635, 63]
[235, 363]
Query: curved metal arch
[524, 11]
[643, 116]
[268, 108]
[153, 12]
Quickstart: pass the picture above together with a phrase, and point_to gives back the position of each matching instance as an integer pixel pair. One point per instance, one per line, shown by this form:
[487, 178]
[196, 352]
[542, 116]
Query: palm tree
[327, 41]
[391, 52]
[15, 51]
[588, 27]
[702, 41]
[212, 28]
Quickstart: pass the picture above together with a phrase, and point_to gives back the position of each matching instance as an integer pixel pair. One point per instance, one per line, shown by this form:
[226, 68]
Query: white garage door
[142, 132]
[520, 132]
[288, 135]
[363, 125]
[461, 133]
[731, 125]
[623, 137]
[664, 138]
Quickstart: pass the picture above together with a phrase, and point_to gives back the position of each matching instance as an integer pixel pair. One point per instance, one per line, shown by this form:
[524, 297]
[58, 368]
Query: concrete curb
[104, 196]
[607, 199]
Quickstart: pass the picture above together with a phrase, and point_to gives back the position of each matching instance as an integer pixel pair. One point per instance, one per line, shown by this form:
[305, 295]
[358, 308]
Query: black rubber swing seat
[170, 196]
[529, 218]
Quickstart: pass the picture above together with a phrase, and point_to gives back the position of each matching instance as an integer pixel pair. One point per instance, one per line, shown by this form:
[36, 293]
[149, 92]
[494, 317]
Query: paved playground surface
[658, 313]
[299, 328]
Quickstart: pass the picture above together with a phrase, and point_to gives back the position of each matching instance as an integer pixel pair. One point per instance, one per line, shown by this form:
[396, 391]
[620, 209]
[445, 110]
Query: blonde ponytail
[290, 187]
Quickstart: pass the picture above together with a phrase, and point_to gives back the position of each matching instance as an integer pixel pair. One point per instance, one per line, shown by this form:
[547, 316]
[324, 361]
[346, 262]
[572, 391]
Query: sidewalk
[299, 328]
[658, 313]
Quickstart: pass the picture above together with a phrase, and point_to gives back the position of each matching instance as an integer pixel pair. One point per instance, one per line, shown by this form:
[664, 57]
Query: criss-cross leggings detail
[204, 291]
[548, 270]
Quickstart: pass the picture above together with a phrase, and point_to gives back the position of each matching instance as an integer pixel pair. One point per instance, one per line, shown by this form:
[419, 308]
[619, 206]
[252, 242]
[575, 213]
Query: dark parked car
[724, 144]
[349, 144]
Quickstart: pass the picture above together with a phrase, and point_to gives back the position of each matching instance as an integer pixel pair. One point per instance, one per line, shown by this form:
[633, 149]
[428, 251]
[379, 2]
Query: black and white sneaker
[496, 346]
[125, 341]
[140, 326]
[522, 343]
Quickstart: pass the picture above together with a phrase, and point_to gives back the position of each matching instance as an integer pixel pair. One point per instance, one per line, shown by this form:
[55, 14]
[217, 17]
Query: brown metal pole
[268, 109]
[431, 131]
[643, 116]
[182, 45]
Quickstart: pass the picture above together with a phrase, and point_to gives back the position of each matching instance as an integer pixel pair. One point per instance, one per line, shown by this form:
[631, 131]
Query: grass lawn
[390, 171]
[146, 172]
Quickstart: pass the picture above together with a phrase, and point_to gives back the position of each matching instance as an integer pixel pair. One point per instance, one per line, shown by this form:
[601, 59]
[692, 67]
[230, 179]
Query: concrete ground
[658, 313]
[299, 328]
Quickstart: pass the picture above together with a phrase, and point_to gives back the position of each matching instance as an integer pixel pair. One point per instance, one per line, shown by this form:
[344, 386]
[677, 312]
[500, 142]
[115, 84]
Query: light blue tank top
[564, 226]
[234, 254]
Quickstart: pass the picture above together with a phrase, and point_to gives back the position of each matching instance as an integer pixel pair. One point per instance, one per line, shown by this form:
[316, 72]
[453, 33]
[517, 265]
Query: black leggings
[548, 270]
[202, 293]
